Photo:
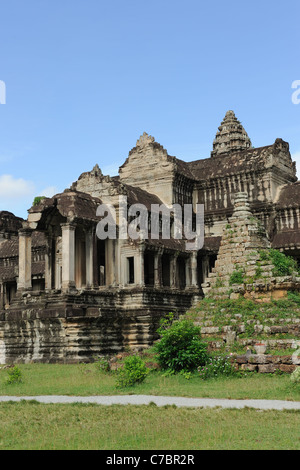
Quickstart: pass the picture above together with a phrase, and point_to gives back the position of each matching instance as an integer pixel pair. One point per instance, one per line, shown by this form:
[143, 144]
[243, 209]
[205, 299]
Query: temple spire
[231, 137]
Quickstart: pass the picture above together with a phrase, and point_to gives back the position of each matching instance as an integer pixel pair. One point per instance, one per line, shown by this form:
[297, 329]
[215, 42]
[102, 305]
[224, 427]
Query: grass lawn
[54, 427]
[86, 379]
[29, 425]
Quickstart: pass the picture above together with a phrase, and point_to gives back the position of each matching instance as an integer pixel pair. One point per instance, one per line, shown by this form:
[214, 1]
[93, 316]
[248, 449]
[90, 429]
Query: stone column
[89, 249]
[194, 269]
[139, 267]
[173, 270]
[2, 296]
[25, 259]
[157, 269]
[68, 256]
[48, 263]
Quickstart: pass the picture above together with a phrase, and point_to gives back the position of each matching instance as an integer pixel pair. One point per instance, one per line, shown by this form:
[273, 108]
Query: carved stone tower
[231, 137]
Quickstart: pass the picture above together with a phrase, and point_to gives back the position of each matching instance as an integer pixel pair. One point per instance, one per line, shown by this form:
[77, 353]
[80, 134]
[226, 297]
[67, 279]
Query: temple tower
[231, 137]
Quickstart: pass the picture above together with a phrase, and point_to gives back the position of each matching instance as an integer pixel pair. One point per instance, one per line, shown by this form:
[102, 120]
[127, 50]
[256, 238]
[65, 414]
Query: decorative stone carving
[231, 136]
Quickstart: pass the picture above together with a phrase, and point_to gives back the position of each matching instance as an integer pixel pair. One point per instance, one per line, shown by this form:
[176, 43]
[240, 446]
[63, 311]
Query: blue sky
[85, 78]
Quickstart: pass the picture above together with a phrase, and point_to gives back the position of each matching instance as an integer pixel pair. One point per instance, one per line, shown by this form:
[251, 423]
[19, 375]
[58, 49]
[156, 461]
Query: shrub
[216, 367]
[237, 277]
[14, 376]
[102, 363]
[283, 265]
[294, 297]
[180, 347]
[295, 376]
[134, 371]
[37, 200]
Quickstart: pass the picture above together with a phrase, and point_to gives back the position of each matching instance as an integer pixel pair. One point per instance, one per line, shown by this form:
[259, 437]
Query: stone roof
[212, 243]
[253, 159]
[289, 196]
[137, 195]
[9, 222]
[71, 204]
[286, 239]
[10, 249]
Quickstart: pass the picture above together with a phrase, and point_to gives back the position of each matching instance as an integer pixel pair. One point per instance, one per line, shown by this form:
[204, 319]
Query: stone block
[267, 368]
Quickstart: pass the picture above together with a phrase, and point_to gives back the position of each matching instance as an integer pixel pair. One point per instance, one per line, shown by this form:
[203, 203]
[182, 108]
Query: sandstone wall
[71, 328]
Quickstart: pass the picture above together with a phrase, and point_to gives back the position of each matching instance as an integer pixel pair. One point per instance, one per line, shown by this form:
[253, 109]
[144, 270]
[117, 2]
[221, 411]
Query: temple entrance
[80, 259]
[166, 270]
[101, 263]
[149, 269]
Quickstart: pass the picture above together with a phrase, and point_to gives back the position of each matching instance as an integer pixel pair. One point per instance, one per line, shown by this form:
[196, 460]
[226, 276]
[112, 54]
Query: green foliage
[134, 371]
[258, 272]
[180, 347]
[219, 282]
[295, 376]
[283, 265]
[294, 297]
[37, 200]
[165, 322]
[14, 376]
[237, 277]
[216, 367]
[264, 255]
[102, 363]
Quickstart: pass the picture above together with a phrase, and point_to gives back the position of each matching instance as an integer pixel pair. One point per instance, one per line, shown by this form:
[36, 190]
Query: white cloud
[296, 158]
[49, 191]
[12, 188]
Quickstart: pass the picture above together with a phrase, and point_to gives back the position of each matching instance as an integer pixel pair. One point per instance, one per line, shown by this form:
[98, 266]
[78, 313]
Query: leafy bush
[180, 347]
[295, 376]
[283, 265]
[37, 200]
[14, 376]
[237, 277]
[102, 363]
[134, 371]
[294, 297]
[216, 367]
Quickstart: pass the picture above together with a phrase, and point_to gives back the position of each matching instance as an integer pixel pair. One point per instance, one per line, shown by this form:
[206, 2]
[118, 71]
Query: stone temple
[67, 296]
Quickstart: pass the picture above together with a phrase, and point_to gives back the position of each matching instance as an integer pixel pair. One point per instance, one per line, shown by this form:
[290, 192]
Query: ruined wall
[43, 327]
[242, 241]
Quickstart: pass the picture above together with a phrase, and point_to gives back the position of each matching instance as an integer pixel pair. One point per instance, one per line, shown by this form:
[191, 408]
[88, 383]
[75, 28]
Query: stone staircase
[237, 334]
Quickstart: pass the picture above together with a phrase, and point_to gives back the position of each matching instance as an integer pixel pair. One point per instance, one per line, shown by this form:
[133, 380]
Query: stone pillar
[157, 269]
[68, 256]
[2, 296]
[194, 269]
[25, 260]
[139, 267]
[110, 262]
[48, 263]
[173, 270]
[89, 249]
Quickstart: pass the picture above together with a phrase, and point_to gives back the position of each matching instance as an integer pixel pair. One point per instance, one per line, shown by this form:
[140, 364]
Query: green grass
[242, 311]
[86, 379]
[75, 427]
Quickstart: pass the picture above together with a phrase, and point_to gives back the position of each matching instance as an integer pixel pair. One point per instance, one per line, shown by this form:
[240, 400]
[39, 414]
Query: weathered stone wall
[71, 328]
[264, 363]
